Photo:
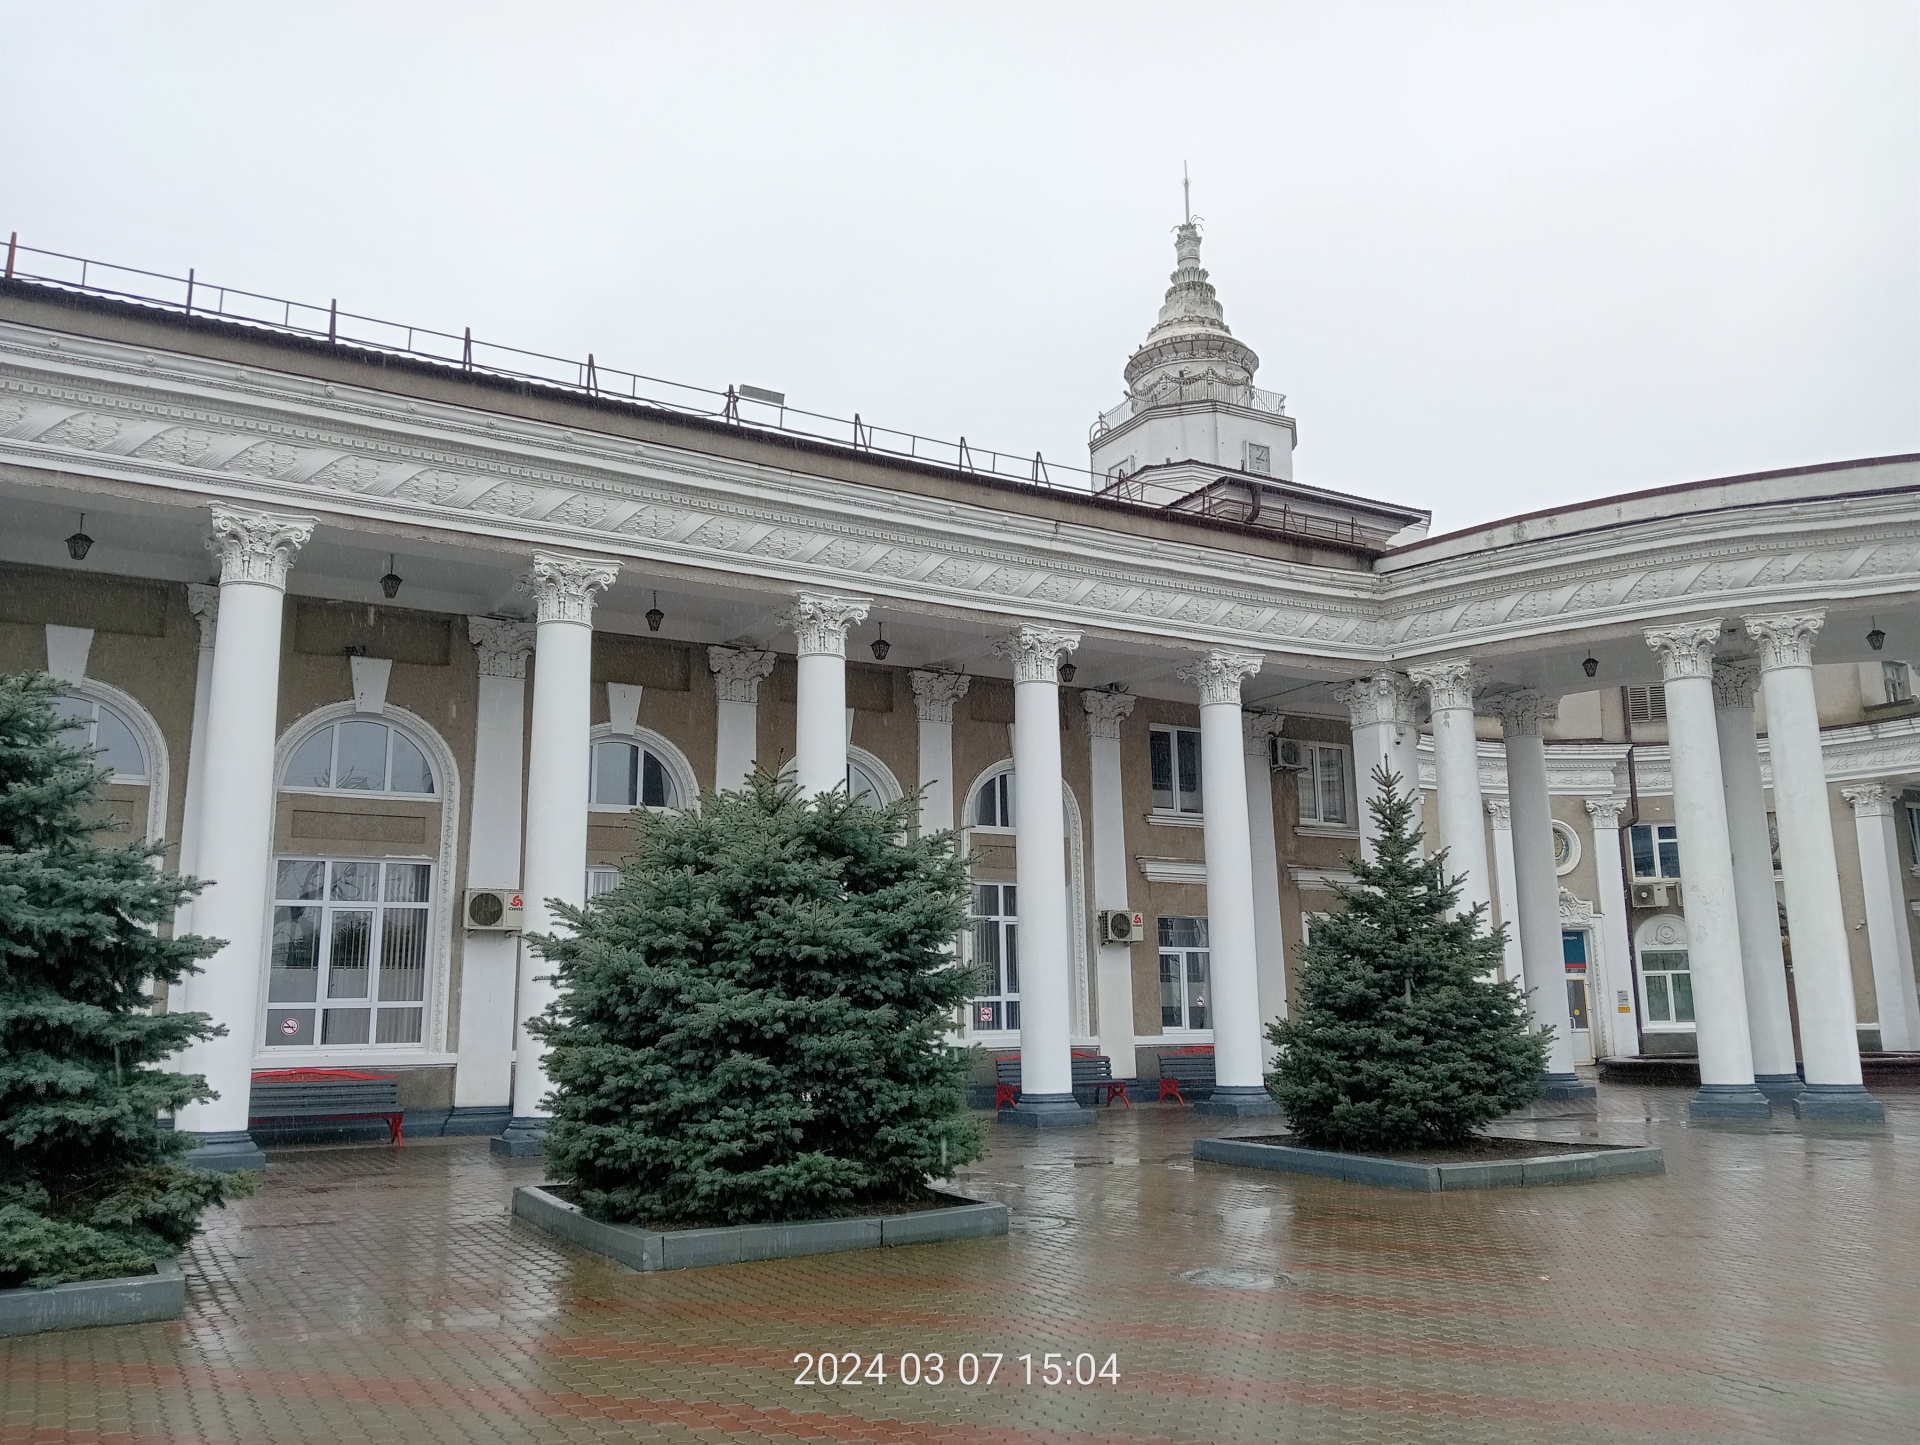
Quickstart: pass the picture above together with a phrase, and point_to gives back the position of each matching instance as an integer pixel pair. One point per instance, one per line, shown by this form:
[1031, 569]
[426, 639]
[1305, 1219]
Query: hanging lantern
[390, 584]
[881, 647]
[1067, 671]
[654, 615]
[79, 542]
[1591, 665]
[1876, 639]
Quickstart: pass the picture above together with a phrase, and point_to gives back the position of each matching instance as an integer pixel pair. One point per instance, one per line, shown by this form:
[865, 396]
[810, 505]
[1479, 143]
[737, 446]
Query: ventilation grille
[1647, 704]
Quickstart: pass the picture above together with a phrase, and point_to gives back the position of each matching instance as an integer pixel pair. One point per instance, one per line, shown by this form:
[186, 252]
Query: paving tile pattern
[1767, 1288]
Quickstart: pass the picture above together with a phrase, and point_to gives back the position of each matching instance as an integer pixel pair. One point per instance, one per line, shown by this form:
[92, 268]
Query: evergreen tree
[90, 1185]
[752, 1026]
[1401, 1040]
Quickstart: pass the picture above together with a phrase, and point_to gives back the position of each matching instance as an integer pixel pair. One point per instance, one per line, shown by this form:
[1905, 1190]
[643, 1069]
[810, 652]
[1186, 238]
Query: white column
[934, 696]
[1385, 716]
[559, 751]
[820, 726]
[203, 602]
[1727, 1089]
[1822, 970]
[737, 675]
[1456, 765]
[1500, 811]
[1239, 1088]
[483, 1075]
[1887, 933]
[1106, 711]
[1612, 1005]
[1543, 963]
[1763, 963]
[236, 845]
[1270, 950]
[1040, 871]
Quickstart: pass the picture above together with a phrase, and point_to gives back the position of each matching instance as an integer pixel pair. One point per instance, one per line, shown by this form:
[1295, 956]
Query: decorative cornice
[1786, 640]
[1257, 729]
[1106, 711]
[1035, 651]
[203, 601]
[1606, 812]
[935, 693]
[1501, 811]
[1574, 911]
[503, 645]
[738, 672]
[1870, 800]
[820, 621]
[563, 588]
[1686, 651]
[1384, 696]
[1734, 684]
[1523, 710]
[1219, 674]
[1449, 684]
[1172, 870]
[256, 547]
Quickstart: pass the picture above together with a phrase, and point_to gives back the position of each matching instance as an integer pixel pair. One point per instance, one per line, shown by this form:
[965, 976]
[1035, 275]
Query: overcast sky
[1497, 255]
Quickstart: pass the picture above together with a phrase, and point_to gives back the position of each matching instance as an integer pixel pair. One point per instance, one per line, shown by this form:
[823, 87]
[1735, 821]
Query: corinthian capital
[935, 693]
[1606, 812]
[1035, 651]
[1870, 800]
[1501, 811]
[204, 603]
[1449, 684]
[1219, 674]
[502, 645]
[738, 672]
[821, 620]
[1522, 711]
[1734, 684]
[1385, 696]
[256, 547]
[1686, 650]
[1106, 711]
[1786, 640]
[563, 588]
[1257, 728]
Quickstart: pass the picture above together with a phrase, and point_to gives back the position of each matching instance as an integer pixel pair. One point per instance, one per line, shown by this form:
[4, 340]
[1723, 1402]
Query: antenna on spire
[1186, 191]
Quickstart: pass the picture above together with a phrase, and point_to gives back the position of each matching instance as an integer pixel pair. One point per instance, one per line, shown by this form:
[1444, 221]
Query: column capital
[1035, 651]
[935, 693]
[563, 588]
[256, 547]
[1449, 684]
[1106, 711]
[1385, 696]
[1786, 640]
[1606, 812]
[1258, 728]
[1219, 674]
[203, 601]
[502, 644]
[1870, 800]
[1523, 710]
[1501, 811]
[820, 620]
[1735, 683]
[738, 672]
[1685, 650]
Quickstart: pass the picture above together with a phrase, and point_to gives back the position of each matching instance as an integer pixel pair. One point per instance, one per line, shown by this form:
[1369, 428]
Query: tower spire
[1186, 191]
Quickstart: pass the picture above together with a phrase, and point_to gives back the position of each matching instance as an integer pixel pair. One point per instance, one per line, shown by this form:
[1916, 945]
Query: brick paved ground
[1767, 1288]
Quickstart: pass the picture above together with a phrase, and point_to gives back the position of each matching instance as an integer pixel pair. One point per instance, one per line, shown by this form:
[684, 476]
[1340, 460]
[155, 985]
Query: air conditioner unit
[1652, 895]
[1287, 754]
[1117, 926]
[494, 910]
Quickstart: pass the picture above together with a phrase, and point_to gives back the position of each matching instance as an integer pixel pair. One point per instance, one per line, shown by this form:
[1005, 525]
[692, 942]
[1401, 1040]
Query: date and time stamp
[971, 1369]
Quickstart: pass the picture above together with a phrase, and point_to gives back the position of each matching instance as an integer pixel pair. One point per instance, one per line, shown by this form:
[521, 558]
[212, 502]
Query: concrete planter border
[134, 1299]
[1600, 1161]
[653, 1249]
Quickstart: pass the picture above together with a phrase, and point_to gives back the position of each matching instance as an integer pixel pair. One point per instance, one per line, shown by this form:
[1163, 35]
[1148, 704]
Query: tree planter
[129, 1300]
[1597, 1161]
[655, 1249]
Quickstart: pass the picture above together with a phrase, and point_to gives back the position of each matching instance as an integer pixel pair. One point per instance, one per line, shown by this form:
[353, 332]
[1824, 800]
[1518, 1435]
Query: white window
[601, 880]
[1668, 984]
[1260, 459]
[349, 960]
[1647, 704]
[627, 775]
[864, 787]
[93, 724]
[359, 756]
[993, 804]
[1656, 850]
[1175, 756]
[996, 958]
[1899, 682]
[1326, 784]
[1186, 961]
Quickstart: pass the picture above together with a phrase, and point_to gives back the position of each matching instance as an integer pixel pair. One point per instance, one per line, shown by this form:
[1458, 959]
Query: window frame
[266, 1046]
[1654, 832]
[1004, 928]
[1896, 680]
[1178, 756]
[1185, 955]
[1001, 784]
[1668, 994]
[437, 784]
[1261, 452]
[144, 778]
[644, 749]
[1308, 787]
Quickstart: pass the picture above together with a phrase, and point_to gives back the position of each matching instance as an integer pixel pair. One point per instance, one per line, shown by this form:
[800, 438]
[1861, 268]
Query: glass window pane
[300, 878]
[311, 765]
[1577, 1003]
[986, 952]
[1669, 854]
[361, 761]
[616, 771]
[289, 1026]
[1640, 839]
[1573, 946]
[1188, 742]
[407, 882]
[398, 1026]
[986, 1015]
[1010, 941]
[861, 787]
[986, 899]
[345, 1026]
[1007, 909]
[1005, 785]
[122, 749]
[1682, 997]
[1170, 1011]
[293, 974]
[655, 786]
[410, 771]
[1658, 1009]
[78, 733]
[1199, 1016]
[356, 882]
[1331, 774]
[1160, 753]
[351, 955]
[601, 880]
[403, 955]
[1178, 932]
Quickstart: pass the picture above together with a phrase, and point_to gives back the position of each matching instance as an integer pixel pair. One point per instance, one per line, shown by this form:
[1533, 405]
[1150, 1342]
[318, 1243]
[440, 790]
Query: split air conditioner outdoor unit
[1116, 926]
[1287, 754]
[494, 910]
[1653, 895]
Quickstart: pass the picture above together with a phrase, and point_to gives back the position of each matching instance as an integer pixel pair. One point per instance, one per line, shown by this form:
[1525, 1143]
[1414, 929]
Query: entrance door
[1573, 947]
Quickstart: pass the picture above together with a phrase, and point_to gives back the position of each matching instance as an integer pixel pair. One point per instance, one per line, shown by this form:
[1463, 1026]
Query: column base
[1566, 1086]
[1048, 1111]
[1244, 1102]
[523, 1138]
[1779, 1088]
[1729, 1101]
[1838, 1104]
[230, 1152]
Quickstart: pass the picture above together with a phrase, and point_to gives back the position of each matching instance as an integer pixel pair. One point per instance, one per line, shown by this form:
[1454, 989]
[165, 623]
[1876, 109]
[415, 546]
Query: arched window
[92, 724]
[628, 775]
[993, 802]
[360, 756]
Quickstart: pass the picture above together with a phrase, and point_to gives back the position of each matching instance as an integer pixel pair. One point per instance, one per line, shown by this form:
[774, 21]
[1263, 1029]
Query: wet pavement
[1766, 1288]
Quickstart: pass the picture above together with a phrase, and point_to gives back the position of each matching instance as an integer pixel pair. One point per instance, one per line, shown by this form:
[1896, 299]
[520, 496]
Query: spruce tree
[90, 1185]
[1401, 1040]
[753, 1025]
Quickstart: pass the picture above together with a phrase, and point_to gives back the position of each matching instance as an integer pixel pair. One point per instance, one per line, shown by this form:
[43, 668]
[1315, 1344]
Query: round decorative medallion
[1566, 848]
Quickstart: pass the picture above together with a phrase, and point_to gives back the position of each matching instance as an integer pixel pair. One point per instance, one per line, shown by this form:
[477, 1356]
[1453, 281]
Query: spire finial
[1186, 191]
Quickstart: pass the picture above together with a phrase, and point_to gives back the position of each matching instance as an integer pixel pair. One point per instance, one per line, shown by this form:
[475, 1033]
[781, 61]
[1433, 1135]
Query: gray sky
[1497, 255]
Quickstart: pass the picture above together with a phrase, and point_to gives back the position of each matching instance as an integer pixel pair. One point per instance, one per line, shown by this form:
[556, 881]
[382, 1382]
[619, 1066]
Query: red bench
[326, 1096]
[1192, 1067]
[1090, 1071]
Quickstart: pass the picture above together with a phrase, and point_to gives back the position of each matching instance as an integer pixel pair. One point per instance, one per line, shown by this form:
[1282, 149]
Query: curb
[84, 1304]
[1602, 1161]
